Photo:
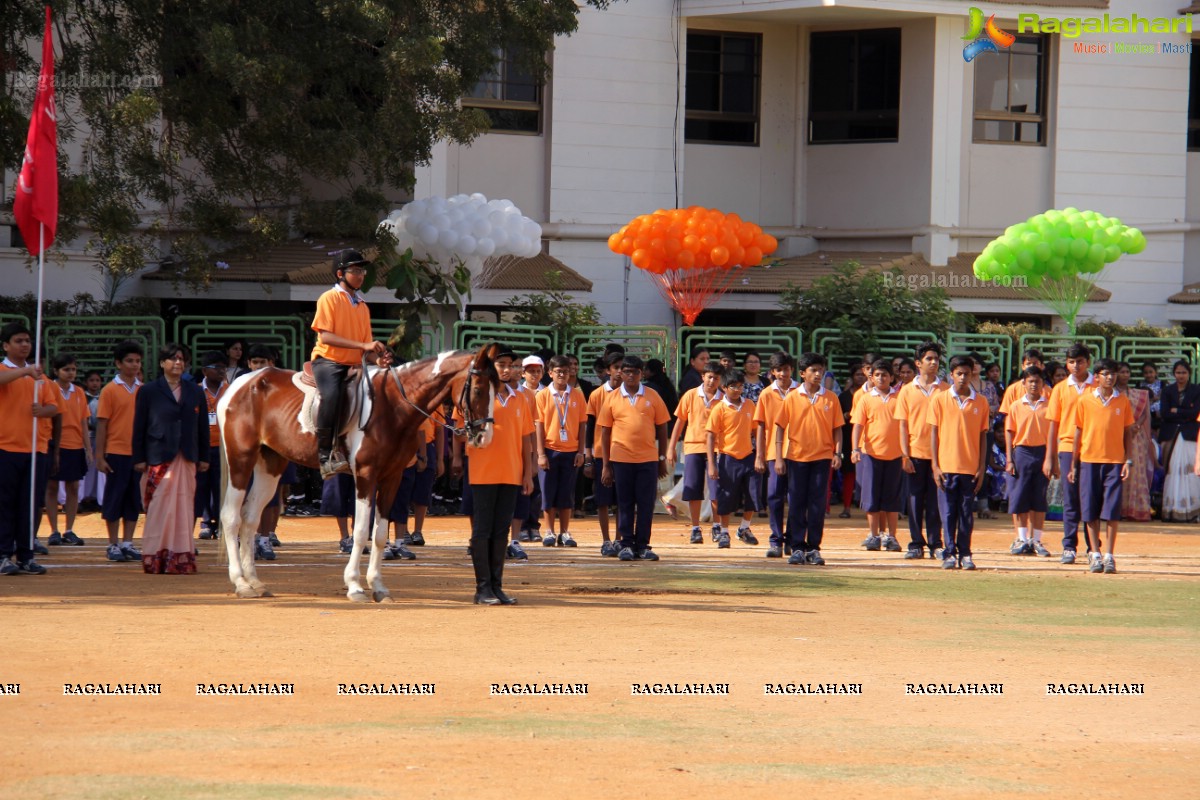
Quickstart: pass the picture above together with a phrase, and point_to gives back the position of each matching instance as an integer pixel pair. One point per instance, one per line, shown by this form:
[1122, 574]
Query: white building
[846, 128]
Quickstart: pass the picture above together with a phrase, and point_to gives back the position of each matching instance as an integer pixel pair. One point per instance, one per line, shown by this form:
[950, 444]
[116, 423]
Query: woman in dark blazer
[1180, 406]
[170, 445]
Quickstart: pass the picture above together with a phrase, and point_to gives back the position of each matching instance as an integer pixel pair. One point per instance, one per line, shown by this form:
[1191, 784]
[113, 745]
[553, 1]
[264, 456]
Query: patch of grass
[138, 787]
[1122, 604]
[896, 775]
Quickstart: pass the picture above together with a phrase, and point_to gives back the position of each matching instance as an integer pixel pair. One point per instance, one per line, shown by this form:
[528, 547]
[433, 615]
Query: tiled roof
[273, 264]
[516, 273]
[1098, 4]
[956, 278]
[1188, 295]
[1194, 8]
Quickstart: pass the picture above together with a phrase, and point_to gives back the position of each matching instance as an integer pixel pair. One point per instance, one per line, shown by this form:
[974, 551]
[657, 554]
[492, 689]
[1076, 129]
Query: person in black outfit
[692, 376]
[1180, 406]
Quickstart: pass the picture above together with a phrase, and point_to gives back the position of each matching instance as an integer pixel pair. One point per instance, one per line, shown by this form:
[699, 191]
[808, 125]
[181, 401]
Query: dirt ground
[701, 615]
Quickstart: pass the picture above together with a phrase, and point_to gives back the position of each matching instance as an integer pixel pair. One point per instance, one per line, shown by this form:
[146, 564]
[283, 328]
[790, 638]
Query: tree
[212, 123]
[861, 302]
[554, 308]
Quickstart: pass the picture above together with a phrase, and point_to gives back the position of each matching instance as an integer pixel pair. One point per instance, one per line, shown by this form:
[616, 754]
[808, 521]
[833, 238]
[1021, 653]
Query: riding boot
[483, 574]
[496, 549]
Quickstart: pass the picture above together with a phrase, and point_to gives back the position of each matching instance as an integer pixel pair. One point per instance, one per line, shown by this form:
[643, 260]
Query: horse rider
[343, 326]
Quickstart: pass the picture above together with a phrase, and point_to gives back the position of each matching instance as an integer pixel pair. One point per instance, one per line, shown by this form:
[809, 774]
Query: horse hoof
[265, 592]
[247, 592]
[382, 597]
[358, 597]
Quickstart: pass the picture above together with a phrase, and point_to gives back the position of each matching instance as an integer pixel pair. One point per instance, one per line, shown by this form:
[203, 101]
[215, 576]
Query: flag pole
[37, 349]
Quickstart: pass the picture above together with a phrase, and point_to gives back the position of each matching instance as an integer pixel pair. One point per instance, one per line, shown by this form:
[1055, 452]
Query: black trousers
[492, 506]
[331, 381]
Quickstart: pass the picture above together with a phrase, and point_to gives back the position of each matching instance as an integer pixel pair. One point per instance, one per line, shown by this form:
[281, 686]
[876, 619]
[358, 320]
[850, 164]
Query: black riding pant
[331, 381]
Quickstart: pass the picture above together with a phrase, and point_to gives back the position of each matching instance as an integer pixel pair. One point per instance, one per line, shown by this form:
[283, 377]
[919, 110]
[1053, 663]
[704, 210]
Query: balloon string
[691, 291]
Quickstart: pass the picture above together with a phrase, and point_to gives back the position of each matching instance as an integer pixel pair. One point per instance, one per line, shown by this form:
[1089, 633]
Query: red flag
[36, 198]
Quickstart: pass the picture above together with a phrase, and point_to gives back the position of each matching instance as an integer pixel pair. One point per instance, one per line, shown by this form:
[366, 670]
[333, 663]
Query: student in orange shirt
[18, 409]
[766, 411]
[419, 468]
[875, 440]
[730, 432]
[807, 435]
[560, 429]
[1103, 442]
[1025, 431]
[74, 448]
[692, 414]
[208, 483]
[958, 421]
[912, 412]
[114, 452]
[499, 472]
[523, 529]
[343, 326]
[594, 458]
[1013, 393]
[630, 423]
[1062, 440]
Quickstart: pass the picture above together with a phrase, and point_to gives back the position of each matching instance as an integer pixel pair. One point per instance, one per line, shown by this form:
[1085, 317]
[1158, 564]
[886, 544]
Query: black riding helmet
[348, 258]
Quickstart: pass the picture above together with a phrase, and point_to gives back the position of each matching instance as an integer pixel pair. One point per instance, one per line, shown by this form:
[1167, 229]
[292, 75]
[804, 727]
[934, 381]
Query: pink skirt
[168, 494]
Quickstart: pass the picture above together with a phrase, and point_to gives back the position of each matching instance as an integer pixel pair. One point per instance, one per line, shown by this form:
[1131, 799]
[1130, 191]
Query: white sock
[1037, 535]
[1023, 534]
[262, 537]
[745, 526]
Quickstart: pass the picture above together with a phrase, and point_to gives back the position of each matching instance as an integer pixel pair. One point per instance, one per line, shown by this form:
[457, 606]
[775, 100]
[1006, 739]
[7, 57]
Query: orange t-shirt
[1103, 426]
[426, 428]
[732, 428]
[214, 430]
[596, 401]
[1015, 391]
[16, 409]
[634, 425]
[73, 407]
[959, 427]
[880, 428]
[116, 405]
[912, 406]
[339, 314]
[1062, 406]
[809, 423]
[561, 416]
[502, 461]
[766, 411]
[693, 411]
[1028, 422]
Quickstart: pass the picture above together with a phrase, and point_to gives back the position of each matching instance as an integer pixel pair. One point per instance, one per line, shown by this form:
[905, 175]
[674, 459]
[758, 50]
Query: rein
[469, 424]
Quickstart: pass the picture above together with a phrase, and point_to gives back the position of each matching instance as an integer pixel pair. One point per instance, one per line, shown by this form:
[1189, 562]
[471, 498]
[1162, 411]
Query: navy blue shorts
[602, 495]
[880, 480]
[422, 489]
[72, 465]
[290, 476]
[1027, 492]
[737, 484]
[404, 493]
[122, 500]
[1099, 491]
[558, 481]
[337, 496]
[521, 512]
[695, 473]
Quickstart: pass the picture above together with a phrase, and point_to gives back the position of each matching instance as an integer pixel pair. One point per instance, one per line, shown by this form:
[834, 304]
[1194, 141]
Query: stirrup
[335, 464]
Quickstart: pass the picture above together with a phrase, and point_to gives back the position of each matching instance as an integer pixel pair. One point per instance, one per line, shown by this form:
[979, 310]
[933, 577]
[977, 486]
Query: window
[854, 86]
[1010, 93]
[510, 95]
[723, 73]
[1193, 132]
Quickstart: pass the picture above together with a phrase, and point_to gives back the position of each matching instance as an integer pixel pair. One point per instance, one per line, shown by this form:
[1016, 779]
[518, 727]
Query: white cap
[533, 360]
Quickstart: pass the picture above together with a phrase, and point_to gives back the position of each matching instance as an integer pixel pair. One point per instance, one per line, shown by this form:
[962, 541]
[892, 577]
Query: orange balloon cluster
[692, 238]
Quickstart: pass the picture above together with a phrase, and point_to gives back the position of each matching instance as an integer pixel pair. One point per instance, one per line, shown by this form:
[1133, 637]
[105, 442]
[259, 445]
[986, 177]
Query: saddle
[357, 400]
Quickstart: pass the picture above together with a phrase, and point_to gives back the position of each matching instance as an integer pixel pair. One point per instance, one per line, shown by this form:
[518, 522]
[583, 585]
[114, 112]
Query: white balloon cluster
[469, 227]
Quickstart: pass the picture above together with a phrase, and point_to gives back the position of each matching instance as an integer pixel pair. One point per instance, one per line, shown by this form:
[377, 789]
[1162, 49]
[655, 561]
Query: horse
[261, 430]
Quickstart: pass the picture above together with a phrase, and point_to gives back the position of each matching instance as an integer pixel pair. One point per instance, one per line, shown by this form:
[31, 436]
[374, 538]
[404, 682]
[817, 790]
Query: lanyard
[561, 405]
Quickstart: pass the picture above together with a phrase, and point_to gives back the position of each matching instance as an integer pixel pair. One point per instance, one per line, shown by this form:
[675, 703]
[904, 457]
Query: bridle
[470, 425]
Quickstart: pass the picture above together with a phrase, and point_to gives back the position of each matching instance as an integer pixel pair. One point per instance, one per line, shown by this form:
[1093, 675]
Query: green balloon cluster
[1057, 244]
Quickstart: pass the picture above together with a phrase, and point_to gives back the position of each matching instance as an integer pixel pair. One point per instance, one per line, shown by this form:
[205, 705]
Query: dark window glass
[1010, 93]
[854, 86]
[509, 95]
[722, 96]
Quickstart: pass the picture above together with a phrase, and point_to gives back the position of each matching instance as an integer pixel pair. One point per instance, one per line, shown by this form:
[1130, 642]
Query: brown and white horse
[259, 417]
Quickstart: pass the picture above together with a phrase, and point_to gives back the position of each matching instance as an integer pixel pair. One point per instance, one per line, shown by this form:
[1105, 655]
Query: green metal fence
[1054, 345]
[432, 336]
[21, 318]
[285, 334]
[92, 340]
[889, 344]
[740, 340]
[646, 341]
[1135, 350]
[994, 347]
[523, 339]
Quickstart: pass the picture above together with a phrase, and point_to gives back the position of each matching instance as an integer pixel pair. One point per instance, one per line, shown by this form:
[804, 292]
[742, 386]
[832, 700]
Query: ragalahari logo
[984, 37]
